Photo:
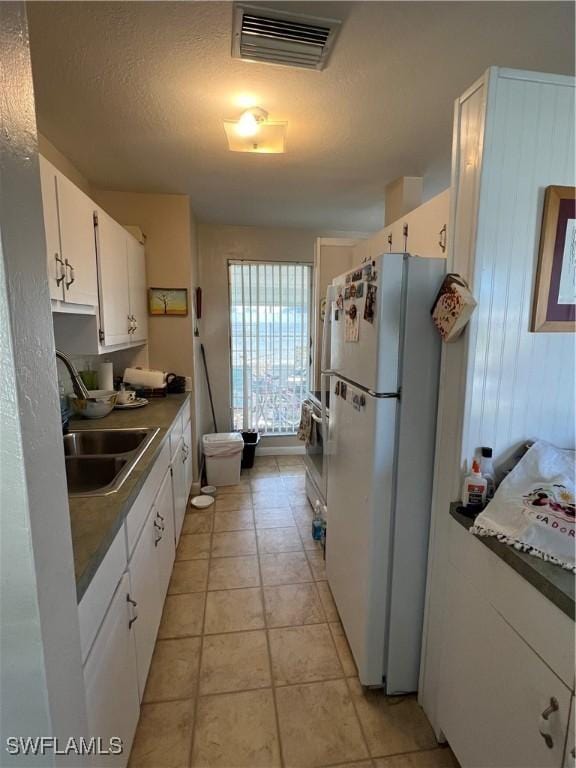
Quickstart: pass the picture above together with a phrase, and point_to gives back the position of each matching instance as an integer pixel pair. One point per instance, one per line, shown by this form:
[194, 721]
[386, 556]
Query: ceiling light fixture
[254, 132]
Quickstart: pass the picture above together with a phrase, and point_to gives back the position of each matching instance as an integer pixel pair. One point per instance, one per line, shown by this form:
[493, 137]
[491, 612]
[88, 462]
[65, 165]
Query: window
[270, 344]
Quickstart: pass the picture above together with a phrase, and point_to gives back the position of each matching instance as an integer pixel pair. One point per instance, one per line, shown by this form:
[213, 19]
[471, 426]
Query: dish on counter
[138, 402]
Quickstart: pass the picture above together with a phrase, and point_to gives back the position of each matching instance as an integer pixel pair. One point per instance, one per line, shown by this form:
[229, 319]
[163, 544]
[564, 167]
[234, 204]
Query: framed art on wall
[554, 304]
[168, 301]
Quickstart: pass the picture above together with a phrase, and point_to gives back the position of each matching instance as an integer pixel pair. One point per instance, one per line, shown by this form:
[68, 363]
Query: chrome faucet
[79, 386]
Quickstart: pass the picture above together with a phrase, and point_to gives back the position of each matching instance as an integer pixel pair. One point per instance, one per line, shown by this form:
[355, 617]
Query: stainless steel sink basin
[87, 474]
[97, 442]
[98, 461]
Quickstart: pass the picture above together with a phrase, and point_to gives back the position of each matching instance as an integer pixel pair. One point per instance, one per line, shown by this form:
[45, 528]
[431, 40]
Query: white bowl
[209, 490]
[201, 502]
[100, 404]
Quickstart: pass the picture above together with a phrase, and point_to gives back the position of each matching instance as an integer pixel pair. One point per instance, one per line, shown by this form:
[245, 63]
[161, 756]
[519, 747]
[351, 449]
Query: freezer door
[360, 493]
[368, 353]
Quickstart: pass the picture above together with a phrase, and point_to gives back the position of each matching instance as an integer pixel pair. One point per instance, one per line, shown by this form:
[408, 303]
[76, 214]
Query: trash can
[251, 440]
[223, 452]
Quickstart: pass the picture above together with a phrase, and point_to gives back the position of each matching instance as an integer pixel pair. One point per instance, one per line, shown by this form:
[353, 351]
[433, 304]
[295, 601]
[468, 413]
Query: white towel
[306, 427]
[533, 508]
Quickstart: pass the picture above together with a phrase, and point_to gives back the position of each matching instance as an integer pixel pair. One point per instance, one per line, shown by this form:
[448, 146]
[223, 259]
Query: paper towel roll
[106, 376]
[145, 378]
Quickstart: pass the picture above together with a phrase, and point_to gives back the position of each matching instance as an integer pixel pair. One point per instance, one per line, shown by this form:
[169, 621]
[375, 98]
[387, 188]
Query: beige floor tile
[268, 484]
[318, 725]
[242, 487]
[317, 564]
[188, 576]
[265, 461]
[233, 543]
[290, 461]
[233, 501]
[302, 513]
[270, 500]
[163, 736]
[303, 655]
[343, 649]
[234, 662]
[296, 471]
[233, 610]
[273, 518]
[197, 522]
[236, 730]
[194, 546]
[328, 601]
[443, 757]
[233, 572]
[284, 568]
[292, 604]
[294, 483]
[298, 498]
[183, 616]
[272, 540]
[174, 670]
[237, 520]
[391, 724]
[263, 471]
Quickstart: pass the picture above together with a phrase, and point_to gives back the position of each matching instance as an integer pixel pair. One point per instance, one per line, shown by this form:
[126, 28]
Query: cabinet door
[570, 753]
[494, 688]
[138, 289]
[111, 678]
[165, 550]
[113, 276]
[76, 215]
[188, 469]
[179, 488]
[145, 590]
[51, 229]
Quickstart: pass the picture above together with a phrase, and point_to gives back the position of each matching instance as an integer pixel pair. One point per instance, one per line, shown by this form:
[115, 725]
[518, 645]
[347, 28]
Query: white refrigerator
[381, 356]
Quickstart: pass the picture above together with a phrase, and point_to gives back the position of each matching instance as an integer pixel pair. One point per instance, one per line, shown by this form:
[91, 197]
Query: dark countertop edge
[150, 455]
[552, 581]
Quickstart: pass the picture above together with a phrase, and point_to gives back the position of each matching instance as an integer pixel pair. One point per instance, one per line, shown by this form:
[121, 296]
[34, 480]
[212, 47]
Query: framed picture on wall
[554, 305]
[167, 301]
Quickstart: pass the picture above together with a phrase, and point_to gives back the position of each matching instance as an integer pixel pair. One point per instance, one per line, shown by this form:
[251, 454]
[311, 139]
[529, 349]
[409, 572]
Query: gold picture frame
[554, 303]
[166, 302]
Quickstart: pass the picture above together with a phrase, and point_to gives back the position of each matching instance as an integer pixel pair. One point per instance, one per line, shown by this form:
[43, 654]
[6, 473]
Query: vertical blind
[270, 344]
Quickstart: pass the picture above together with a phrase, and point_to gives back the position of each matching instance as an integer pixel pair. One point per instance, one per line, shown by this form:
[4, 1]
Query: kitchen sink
[95, 442]
[88, 474]
[98, 461]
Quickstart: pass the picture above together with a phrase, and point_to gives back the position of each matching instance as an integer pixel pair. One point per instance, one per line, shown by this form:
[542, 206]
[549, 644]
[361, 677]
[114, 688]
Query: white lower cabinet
[179, 487]
[165, 545]
[145, 590]
[111, 677]
[496, 693]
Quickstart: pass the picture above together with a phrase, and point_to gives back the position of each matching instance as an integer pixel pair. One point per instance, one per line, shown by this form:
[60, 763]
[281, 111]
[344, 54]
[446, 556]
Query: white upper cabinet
[76, 218]
[55, 262]
[137, 289]
[112, 248]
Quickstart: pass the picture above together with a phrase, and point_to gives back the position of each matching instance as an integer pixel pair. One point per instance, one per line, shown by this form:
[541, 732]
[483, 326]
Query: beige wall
[60, 161]
[218, 244]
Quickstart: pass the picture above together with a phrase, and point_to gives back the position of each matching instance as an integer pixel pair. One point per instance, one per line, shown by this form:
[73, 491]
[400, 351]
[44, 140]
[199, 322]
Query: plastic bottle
[317, 523]
[487, 471]
[475, 487]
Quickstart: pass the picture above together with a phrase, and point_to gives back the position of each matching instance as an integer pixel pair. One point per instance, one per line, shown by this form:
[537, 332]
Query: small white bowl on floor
[202, 502]
[209, 490]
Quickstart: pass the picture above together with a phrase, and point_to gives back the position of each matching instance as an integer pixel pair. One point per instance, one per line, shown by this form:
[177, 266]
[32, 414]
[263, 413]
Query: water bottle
[317, 523]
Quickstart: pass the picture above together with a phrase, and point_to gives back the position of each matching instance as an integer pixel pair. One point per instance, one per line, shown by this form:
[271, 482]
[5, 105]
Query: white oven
[315, 459]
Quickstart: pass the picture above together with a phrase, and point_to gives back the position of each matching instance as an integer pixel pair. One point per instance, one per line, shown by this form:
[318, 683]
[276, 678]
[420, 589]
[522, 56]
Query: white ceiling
[135, 94]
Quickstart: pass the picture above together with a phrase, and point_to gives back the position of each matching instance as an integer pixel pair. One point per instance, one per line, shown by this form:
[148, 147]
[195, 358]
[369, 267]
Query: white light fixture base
[270, 138]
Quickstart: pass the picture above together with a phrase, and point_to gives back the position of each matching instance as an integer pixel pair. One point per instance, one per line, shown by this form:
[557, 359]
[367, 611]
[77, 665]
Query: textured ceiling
[135, 94]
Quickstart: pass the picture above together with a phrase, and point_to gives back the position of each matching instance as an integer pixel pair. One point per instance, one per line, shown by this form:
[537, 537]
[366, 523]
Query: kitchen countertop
[95, 520]
[553, 581]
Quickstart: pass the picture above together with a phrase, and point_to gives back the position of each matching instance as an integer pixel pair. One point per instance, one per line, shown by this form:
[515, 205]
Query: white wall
[500, 384]
[218, 244]
[40, 663]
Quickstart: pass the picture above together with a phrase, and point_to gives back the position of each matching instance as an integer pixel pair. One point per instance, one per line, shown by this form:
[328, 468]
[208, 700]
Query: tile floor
[251, 667]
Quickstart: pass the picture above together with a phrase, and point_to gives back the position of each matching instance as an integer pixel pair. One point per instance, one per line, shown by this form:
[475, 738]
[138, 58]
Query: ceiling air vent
[289, 40]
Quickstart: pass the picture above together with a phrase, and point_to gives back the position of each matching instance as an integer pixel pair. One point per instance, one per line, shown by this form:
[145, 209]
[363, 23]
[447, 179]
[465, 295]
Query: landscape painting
[168, 301]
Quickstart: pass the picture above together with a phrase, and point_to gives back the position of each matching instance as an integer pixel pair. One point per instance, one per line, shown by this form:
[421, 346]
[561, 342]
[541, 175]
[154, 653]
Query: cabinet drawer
[141, 507]
[97, 597]
[536, 619]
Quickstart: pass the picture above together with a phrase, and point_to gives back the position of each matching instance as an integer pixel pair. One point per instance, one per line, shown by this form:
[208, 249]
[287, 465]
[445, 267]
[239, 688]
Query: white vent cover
[286, 39]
